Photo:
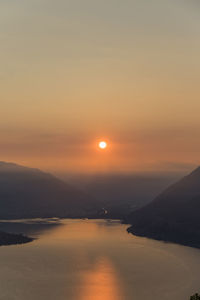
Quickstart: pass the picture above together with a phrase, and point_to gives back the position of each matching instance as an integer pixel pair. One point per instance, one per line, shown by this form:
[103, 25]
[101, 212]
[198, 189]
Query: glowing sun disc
[102, 145]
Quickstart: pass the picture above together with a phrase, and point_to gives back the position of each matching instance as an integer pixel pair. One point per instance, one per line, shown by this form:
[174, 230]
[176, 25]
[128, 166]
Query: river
[95, 260]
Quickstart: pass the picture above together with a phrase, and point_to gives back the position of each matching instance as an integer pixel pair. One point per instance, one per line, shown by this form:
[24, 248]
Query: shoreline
[9, 239]
[161, 238]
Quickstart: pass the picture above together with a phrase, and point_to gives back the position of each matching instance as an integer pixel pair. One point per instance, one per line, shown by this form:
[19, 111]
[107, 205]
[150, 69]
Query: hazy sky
[73, 72]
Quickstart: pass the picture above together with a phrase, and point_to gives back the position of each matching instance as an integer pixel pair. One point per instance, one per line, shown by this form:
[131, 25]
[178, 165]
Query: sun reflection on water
[101, 282]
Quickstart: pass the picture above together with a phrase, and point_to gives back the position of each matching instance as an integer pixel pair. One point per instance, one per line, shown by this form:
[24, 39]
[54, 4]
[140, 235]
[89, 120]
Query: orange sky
[73, 72]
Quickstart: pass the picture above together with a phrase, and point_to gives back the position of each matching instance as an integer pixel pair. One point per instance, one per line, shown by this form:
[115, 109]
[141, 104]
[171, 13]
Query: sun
[103, 145]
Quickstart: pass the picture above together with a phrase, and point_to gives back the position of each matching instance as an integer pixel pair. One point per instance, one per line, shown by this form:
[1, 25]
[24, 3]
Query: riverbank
[13, 239]
[169, 235]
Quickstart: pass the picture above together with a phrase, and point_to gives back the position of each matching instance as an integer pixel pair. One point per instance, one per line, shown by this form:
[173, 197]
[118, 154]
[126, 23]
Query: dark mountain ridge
[30, 193]
[173, 215]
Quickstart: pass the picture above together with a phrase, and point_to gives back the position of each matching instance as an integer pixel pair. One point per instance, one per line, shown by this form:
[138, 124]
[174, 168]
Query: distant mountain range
[30, 193]
[174, 215]
[119, 193]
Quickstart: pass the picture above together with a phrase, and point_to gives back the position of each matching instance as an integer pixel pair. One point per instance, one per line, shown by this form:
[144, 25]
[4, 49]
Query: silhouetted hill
[29, 193]
[173, 215]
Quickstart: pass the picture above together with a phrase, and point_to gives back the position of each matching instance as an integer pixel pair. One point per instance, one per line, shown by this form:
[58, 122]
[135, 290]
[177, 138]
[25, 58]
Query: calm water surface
[96, 260]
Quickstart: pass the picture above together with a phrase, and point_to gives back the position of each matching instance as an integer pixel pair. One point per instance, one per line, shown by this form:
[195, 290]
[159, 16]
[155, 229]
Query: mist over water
[95, 260]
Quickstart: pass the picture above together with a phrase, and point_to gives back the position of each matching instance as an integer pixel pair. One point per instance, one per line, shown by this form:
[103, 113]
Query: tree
[195, 297]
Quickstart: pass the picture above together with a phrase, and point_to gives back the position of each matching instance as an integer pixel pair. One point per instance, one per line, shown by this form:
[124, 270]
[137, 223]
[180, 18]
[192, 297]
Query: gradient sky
[73, 72]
